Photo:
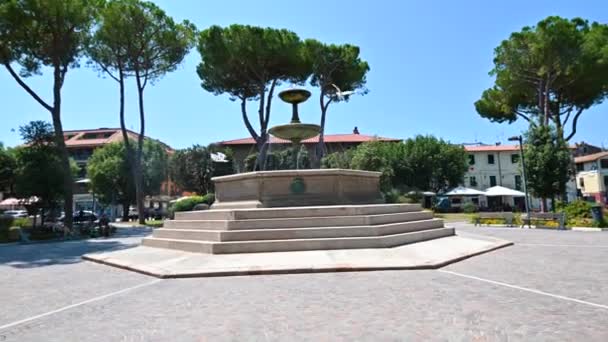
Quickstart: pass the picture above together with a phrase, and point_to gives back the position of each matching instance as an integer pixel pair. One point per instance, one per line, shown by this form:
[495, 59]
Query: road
[551, 285]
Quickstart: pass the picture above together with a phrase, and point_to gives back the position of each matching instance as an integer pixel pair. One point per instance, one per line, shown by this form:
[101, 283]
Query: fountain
[296, 210]
[296, 187]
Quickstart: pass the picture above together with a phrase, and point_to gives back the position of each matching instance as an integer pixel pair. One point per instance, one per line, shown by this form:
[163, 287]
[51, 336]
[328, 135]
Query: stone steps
[297, 233]
[299, 222]
[213, 247]
[297, 212]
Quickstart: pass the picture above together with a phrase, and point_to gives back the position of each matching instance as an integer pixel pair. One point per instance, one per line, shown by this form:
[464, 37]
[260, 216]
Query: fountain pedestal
[296, 188]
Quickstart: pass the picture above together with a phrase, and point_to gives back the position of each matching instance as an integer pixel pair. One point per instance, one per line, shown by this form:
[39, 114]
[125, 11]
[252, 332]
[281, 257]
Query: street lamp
[519, 139]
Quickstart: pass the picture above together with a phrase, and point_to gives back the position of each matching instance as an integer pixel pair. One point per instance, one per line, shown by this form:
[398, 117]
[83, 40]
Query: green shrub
[392, 196]
[209, 198]
[186, 204]
[469, 208]
[155, 223]
[22, 222]
[576, 209]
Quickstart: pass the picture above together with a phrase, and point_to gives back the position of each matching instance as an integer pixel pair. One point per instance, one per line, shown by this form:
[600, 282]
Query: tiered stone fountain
[289, 210]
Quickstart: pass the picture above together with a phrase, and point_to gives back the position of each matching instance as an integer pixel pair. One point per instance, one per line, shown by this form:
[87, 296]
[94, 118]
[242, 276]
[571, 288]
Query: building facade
[592, 177]
[82, 143]
[492, 165]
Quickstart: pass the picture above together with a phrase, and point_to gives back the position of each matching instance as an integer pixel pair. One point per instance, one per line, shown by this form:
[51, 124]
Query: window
[456, 201]
[471, 159]
[517, 182]
[580, 167]
[492, 180]
[581, 182]
[490, 159]
[605, 181]
[604, 163]
[515, 158]
[472, 181]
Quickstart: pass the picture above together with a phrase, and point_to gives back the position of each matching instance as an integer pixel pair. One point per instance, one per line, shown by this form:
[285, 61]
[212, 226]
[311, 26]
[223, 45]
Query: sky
[429, 63]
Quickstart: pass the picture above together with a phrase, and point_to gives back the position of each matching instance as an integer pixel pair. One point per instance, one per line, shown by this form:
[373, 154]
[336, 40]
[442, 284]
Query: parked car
[16, 213]
[85, 217]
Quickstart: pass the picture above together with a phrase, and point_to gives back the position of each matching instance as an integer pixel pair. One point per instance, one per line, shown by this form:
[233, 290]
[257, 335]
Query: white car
[16, 213]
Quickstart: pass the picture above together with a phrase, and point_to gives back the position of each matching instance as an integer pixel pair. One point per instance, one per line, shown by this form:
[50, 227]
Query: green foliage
[111, 177]
[548, 162]
[577, 209]
[22, 222]
[290, 158]
[155, 223]
[548, 72]
[469, 208]
[381, 157]
[188, 203]
[339, 72]
[39, 170]
[192, 169]
[247, 63]
[8, 166]
[38, 33]
[338, 160]
[423, 163]
[138, 39]
[336, 66]
[432, 163]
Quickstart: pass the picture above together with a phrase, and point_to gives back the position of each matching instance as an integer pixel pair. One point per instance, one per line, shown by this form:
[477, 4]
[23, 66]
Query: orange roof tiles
[491, 148]
[590, 157]
[329, 138]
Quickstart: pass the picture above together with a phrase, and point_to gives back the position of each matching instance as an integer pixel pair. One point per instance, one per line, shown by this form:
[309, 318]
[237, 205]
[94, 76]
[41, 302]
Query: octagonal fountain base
[296, 188]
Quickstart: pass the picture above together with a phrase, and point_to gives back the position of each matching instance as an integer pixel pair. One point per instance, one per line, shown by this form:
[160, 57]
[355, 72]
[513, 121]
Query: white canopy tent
[463, 191]
[502, 191]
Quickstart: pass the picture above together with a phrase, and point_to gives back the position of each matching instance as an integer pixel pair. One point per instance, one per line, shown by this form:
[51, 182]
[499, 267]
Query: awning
[10, 201]
[462, 191]
[502, 191]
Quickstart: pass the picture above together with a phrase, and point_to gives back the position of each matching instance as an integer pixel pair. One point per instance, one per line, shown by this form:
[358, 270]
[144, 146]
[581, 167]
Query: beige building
[592, 176]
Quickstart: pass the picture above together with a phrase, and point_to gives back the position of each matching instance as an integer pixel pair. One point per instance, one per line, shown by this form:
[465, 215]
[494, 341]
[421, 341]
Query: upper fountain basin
[295, 132]
[294, 96]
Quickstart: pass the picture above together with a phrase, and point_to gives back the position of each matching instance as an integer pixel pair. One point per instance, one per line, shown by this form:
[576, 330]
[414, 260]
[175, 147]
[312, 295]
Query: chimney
[356, 130]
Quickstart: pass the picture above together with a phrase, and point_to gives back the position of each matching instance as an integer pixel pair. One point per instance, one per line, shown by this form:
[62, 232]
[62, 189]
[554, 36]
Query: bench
[506, 216]
[544, 217]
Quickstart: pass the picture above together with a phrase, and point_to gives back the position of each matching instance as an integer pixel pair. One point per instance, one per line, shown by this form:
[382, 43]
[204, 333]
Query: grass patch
[455, 217]
[155, 223]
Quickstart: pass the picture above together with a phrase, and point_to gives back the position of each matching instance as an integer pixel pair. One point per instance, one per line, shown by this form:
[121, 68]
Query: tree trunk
[320, 150]
[139, 178]
[263, 152]
[125, 138]
[68, 182]
[125, 212]
[543, 205]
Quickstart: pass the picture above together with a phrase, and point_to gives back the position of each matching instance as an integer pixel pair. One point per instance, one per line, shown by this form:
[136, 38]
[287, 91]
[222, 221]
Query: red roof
[98, 137]
[329, 138]
[590, 157]
[491, 148]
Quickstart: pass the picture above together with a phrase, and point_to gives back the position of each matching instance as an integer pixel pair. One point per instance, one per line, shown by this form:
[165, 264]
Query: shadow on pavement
[68, 252]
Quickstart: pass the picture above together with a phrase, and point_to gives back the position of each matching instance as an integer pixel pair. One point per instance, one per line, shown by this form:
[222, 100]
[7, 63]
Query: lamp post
[519, 139]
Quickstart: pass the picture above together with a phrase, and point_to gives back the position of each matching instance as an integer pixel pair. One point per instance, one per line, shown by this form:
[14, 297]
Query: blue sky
[429, 63]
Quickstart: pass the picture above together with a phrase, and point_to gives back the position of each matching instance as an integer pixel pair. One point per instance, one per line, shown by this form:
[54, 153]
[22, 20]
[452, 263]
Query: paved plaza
[551, 285]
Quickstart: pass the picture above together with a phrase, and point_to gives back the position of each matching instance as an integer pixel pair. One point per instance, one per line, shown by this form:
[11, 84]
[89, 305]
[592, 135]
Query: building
[592, 177]
[81, 144]
[333, 142]
[491, 165]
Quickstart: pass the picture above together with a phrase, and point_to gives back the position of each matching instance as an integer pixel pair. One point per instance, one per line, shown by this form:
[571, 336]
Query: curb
[297, 270]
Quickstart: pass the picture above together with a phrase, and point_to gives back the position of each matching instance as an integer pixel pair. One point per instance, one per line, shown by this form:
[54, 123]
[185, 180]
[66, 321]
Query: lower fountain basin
[285, 188]
[295, 132]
